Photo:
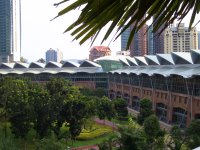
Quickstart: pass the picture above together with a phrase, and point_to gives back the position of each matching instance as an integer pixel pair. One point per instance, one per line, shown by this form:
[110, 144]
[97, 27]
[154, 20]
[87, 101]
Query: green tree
[155, 136]
[68, 105]
[176, 138]
[23, 60]
[122, 14]
[132, 138]
[18, 107]
[49, 144]
[120, 108]
[41, 102]
[99, 92]
[105, 108]
[193, 134]
[59, 90]
[145, 110]
[74, 112]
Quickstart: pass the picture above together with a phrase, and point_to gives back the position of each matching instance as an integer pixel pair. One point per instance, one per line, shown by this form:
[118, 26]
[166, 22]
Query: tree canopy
[123, 13]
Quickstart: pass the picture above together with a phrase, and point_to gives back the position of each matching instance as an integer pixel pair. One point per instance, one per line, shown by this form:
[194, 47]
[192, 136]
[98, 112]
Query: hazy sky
[40, 34]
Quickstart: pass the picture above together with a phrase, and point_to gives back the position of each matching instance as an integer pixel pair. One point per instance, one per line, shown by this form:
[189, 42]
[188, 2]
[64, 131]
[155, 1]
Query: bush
[97, 131]
[49, 144]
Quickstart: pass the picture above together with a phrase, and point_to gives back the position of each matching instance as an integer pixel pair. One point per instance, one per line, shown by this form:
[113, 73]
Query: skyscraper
[54, 55]
[138, 46]
[158, 40]
[150, 48]
[180, 39]
[10, 30]
[124, 39]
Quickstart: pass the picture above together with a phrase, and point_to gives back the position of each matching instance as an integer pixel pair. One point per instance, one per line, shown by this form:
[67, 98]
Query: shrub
[97, 131]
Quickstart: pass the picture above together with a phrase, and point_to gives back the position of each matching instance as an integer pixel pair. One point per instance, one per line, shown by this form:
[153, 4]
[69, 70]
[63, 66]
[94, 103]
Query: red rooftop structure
[99, 51]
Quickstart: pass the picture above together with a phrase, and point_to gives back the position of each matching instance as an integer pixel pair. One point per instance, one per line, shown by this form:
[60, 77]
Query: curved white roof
[182, 58]
[152, 60]
[141, 61]
[70, 64]
[88, 63]
[20, 65]
[176, 63]
[52, 64]
[7, 65]
[36, 65]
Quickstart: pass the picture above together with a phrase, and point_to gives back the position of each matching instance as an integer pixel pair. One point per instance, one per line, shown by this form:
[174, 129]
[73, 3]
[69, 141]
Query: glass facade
[109, 65]
[10, 30]
[124, 38]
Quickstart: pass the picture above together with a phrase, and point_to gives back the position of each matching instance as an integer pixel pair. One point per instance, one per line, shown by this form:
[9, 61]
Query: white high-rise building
[10, 30]
[180, 39]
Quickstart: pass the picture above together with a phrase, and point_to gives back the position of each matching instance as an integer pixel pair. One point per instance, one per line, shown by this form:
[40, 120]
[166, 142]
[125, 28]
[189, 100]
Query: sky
[39, 33]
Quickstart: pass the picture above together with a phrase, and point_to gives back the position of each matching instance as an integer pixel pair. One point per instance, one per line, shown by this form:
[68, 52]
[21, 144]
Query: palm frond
[122, 14]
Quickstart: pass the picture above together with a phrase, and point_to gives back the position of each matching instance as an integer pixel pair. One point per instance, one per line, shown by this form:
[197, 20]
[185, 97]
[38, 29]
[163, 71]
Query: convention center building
[170, 81]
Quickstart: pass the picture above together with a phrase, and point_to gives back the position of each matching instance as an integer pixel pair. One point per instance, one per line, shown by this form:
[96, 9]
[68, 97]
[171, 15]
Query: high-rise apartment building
[124, 39]
[158, 41]
[10, 30]
[150, 48]
[138, 46]
[180, 39]
[53, 55]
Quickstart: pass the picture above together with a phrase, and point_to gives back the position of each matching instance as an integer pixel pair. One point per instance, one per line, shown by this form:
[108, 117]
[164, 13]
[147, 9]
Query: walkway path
[106, 123]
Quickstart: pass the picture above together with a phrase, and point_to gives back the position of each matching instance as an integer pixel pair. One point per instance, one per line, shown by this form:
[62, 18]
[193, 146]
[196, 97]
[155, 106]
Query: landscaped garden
[57, 115]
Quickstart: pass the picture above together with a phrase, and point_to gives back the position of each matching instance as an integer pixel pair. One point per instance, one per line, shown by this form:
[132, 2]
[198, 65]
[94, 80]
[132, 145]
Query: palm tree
[123, 13]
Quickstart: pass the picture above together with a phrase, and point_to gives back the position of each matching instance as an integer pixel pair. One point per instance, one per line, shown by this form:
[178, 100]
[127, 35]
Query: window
[179, 99]
[185, 101]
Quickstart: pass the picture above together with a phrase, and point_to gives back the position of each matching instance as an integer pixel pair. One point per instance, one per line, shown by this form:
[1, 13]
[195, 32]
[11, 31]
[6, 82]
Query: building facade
[54, 55]
[180, 39]
[124, 39]
[198, 40]
[99, 51]
[10, 30]
[170, 81]
[150, 48]
[138, 46]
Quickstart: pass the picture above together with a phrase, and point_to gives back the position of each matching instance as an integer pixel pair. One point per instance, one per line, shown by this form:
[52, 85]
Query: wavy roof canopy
[51, 67]
[70, 64]
[175, 58]
[185, 64]
[7, 65]
[36, 65]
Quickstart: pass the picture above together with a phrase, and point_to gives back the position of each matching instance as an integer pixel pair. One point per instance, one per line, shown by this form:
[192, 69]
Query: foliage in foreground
[49, 144]
[95, 15]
